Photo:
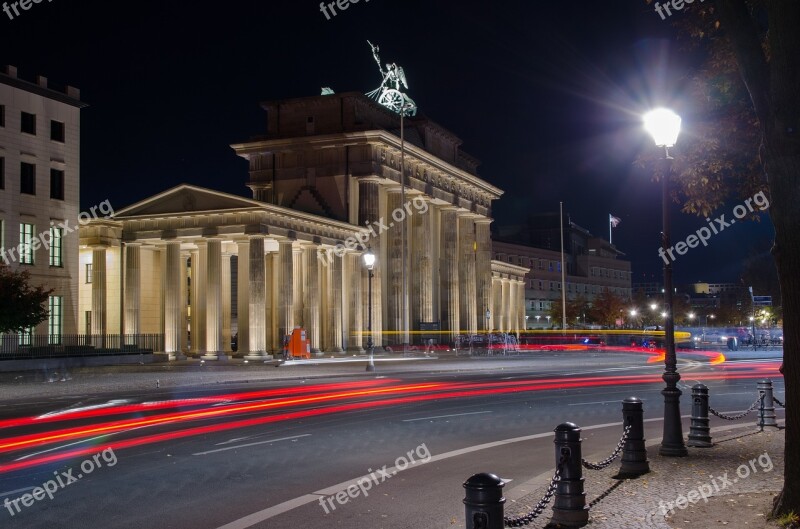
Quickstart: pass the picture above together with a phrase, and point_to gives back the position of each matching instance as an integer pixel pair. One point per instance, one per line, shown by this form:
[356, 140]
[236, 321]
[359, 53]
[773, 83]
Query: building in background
[39, 194]
[592, 264]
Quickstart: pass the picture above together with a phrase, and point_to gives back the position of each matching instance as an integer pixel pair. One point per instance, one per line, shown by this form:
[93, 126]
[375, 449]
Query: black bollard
[569, 503]
[483, 502]
[634, 453]
[699, 431]
[766, 411]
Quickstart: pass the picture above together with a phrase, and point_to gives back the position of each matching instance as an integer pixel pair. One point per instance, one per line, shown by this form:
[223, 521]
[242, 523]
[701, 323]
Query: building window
[88, 273]
[56, 184]
[28, 123]
[2, 173]
[558, 266]
[54, 321]
[26, 232]
[26, 336]
[57, 131]
[56, 236]
[550, 266]
[541, 285]
[27, 178]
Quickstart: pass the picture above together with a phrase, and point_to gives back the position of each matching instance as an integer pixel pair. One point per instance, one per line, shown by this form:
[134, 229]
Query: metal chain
[610, 459]
[539, 508]
[735, 417]
[779, 403]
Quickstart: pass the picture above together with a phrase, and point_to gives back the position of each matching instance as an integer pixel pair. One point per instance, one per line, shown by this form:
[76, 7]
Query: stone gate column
[466, 274]
[354, 303]
[483, 270]
[422, 263]
[243, 296]
[369, 212]
[172, 299]
[311, 298]
[214, 350]
[285, 289]
[133, 292]
[99, 297]
[256, 308]
[449, 273]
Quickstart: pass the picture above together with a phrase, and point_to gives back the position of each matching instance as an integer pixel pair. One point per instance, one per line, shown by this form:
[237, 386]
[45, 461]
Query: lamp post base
[672, 444]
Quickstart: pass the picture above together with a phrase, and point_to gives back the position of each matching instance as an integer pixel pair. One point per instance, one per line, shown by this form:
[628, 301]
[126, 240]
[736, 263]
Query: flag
[614, 221]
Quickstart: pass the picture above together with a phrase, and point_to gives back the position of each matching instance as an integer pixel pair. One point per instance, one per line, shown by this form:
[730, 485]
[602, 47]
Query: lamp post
[633, 313]
[404, 109]
[664, 126]
[369, 262]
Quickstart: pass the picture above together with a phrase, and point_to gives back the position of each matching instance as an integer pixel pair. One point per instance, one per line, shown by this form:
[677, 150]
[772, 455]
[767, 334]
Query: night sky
[548, 95]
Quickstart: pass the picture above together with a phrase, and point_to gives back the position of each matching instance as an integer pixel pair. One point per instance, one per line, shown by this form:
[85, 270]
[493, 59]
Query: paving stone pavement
[636, 503]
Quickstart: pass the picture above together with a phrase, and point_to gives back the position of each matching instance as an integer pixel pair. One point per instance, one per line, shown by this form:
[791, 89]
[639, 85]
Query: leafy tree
[23, 305]
[576, 309]
[607, 308]
[746, 140]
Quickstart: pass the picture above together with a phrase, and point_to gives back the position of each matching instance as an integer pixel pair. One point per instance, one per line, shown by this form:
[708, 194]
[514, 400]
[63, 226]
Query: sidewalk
[740, 499]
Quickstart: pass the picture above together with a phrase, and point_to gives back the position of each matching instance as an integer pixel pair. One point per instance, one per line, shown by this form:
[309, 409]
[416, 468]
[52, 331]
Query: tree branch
[743, 35]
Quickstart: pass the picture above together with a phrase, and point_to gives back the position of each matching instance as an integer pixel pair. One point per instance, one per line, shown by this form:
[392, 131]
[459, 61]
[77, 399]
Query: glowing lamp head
[663, 125]
[369, 260]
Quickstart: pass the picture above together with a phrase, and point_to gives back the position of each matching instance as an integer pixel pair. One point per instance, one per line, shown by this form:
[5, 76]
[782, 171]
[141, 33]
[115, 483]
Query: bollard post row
[484, 501]
[766, 412]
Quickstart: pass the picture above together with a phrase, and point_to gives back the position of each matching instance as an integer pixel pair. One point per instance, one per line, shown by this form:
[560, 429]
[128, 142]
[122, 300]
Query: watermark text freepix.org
[341, 4]
[375, 229]
[363, 485]
[63, 479]
[23, 4]
[717, 484]
[714, 227]
[45, 238]
[677, 5]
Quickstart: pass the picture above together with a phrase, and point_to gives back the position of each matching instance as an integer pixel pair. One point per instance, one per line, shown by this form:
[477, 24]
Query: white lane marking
[67, 411]
[271, 512]
[294, 437]
[444, 416]
[595, 402]
[9, 493]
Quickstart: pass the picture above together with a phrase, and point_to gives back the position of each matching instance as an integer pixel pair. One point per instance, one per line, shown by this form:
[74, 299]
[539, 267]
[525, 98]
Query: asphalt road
[275, 454]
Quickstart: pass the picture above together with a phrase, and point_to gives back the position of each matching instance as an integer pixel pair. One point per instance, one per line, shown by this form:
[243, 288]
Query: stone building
[39, 196]
[326, 186]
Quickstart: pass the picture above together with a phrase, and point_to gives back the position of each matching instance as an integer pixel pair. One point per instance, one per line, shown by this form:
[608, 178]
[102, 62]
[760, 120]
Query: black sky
[547, 94]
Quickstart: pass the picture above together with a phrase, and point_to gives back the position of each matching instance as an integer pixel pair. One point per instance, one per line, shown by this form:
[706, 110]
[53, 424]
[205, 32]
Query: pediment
[187, 199]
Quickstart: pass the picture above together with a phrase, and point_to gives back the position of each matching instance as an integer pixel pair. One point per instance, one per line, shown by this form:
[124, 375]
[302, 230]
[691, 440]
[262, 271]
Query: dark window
[2, 115]
[27, 178]
[56, 184]
[57, 131]
[28, 123]
[88, 273]
[2, 173]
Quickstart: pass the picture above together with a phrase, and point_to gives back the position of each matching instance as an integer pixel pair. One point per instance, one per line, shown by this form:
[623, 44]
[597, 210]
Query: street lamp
[664, 126]
[633, 313]
[369, 262]
[653, 306]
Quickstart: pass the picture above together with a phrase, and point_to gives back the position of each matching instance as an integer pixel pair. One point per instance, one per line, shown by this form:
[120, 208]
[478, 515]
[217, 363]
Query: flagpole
[609, 230]
[563, 273]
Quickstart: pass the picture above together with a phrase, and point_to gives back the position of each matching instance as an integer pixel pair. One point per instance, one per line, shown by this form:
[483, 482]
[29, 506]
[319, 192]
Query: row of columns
[508, 311]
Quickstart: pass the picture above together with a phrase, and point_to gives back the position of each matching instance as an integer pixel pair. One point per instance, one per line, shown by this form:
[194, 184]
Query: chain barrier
[522, 521]
[610, 459]
[779, 403]
[736, 417]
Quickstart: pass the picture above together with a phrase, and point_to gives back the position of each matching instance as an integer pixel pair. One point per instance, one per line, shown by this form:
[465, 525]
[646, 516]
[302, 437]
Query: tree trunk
[784, 176]
[782, 150]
